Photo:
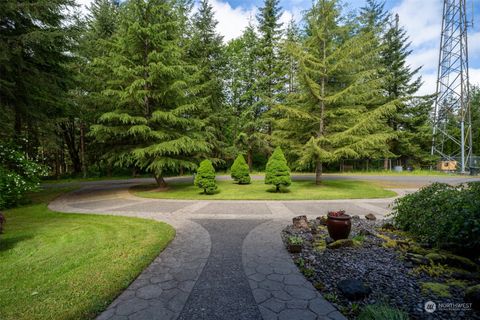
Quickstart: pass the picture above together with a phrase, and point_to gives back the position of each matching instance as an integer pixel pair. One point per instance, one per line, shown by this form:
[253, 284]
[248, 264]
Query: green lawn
[71, 266]
[257, 190]
[403, 173]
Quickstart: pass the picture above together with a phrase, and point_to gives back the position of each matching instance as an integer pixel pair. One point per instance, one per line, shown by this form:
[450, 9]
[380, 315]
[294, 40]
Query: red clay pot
[339, 226]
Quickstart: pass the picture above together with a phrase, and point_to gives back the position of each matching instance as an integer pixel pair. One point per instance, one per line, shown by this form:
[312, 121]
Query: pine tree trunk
[250, 160]
[385, 164]
[277, 188]
[160, 181]
[318, 172]
[82, 149]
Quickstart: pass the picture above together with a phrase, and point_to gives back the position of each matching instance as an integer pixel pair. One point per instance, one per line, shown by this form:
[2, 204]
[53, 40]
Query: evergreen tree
[240, 171]
[292, 39]
[271, 69]
[155, 123]
[374, 18]
[249, 126]
[206, 52]
[411, 121]
[277, 171]
[35, 44]
[331, 117]
[205, 177]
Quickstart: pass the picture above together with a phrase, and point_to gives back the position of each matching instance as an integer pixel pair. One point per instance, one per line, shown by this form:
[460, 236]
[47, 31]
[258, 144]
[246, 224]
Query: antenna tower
[452, 125]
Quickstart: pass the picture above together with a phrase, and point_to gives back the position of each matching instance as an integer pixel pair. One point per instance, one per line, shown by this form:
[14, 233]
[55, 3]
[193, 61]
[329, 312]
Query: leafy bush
[442, 215]
[382, 312]
[240, 171]
[277, 171]
[18, 175]
[205, 178]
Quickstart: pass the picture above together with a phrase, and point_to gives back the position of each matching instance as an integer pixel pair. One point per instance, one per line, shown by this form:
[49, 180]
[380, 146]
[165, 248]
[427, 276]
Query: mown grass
[71, 266]
[258, 190]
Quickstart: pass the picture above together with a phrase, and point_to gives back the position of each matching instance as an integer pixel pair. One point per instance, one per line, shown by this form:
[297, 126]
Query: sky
[421, 19]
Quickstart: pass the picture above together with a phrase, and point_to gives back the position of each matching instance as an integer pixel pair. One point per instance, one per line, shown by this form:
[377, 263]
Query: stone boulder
[370, 216]
[342, 243]
[353, 289]
[452, 260]
[301, 222]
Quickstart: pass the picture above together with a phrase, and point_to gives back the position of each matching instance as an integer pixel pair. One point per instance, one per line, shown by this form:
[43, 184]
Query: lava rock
[353, 289]
[472, 295]
[342, 243]
[388, 226]
[300, 222]
[370, 216]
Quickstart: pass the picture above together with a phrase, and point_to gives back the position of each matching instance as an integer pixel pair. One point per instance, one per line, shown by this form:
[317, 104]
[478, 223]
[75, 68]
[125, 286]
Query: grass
[70, 266]
[381, 311]
[257, 190]
[403, 173]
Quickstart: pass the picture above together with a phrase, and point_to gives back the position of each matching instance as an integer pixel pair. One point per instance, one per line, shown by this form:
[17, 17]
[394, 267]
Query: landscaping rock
[370, 216]
[353, 289]
[355, 217]
[329, 240]
[388, 226]
[364, 232]
[472, 295]
[416, 258]
[342, 243]
[300, 222]
[452, 260]
[322, 220]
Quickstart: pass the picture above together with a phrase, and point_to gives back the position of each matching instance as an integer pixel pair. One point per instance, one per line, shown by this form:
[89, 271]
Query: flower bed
[383, 265]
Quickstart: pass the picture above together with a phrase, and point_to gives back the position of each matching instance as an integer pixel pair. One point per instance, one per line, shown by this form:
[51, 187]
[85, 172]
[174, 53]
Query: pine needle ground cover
[257, 190]
[71, 266]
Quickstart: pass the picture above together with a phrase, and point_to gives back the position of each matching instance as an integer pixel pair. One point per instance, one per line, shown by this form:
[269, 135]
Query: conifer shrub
[205, 178]
[240, 171]
[277, 171]
[442, 215]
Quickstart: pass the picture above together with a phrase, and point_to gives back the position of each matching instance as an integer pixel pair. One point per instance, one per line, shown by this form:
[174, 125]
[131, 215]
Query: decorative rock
[416, 258]
[356, 217]
[472, 295]
[353, 289]
[452, 260]
[370, 216]
[322, 220]
[388, 226]
[364, 232]
[342, 243]
[329, 240]
[300, 222]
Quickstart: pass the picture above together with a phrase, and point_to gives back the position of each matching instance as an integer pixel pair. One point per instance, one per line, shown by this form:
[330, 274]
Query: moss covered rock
[342, 243]
[472, 295]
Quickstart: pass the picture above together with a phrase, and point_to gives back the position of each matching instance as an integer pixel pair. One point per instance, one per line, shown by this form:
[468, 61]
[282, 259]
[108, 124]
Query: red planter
[339, 225]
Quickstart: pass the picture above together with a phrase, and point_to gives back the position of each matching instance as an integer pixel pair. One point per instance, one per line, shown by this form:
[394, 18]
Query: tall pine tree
[155, 123]
[206, 51]
[331, 117]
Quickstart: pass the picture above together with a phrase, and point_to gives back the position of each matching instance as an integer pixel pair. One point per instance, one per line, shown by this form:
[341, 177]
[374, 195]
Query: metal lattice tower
[452, 127]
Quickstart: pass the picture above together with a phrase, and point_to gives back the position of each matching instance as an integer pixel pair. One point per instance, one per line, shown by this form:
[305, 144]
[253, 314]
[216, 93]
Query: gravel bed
[391, 277]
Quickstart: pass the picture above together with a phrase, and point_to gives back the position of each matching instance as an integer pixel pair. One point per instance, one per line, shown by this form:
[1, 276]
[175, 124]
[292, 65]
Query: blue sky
[420, 18]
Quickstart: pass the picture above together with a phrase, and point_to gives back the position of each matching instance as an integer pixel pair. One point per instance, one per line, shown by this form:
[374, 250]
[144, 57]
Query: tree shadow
[11, 242]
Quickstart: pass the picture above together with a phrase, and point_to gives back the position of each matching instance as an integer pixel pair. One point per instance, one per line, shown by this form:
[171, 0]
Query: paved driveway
[227, 260]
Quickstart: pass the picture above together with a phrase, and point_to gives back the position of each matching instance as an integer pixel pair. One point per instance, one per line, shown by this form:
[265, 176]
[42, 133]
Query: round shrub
[240, 171]
[442, 215]
[205, 178]
[277, 171]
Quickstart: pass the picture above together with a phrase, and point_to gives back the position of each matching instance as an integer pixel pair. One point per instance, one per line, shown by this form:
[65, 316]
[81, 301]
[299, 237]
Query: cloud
[232, 21]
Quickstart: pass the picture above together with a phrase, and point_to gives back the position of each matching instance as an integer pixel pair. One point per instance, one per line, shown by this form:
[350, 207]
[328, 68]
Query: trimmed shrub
[18, 175]
[240, 171]
[442, 215]
[205, 178]
[277, 171]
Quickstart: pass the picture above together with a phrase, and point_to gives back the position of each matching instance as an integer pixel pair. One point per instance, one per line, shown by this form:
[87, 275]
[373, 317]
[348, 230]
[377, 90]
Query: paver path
[227, 260]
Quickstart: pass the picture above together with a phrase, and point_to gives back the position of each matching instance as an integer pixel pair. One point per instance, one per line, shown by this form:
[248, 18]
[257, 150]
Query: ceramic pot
[339, 226]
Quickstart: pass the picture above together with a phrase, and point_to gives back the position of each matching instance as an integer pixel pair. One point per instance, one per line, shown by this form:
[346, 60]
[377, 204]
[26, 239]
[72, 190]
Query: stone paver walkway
[227, 260]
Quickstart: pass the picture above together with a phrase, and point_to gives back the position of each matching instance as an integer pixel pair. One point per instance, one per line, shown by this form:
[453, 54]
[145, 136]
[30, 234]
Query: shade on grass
[257, 190]
[71, 266]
